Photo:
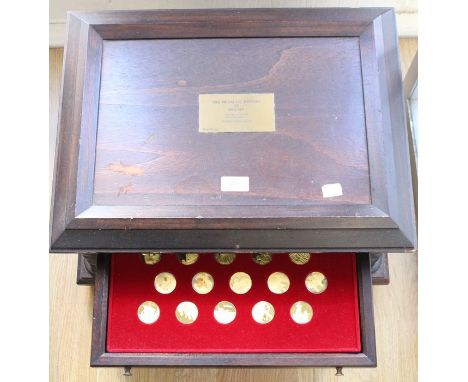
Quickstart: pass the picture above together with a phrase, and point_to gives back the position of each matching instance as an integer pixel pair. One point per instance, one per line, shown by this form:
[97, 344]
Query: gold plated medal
[225, 258]
[263, 312]
[316, 282]
[186, 312]
[301, 312]
[240, 282]
[278, 282]
[165, 282]
[151, 258]
[202, 283]
[188, 258]
[148, 312]
[262, 258]
[224, 312]
[299, 258]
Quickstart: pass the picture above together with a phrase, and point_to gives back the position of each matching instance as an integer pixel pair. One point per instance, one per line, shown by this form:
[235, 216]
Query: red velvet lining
[334, 328]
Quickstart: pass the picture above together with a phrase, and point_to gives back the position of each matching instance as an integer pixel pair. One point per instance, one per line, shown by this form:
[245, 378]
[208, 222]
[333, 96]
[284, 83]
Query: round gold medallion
[263, 312]
[151, 258]
[165, 282]
[278, 282]
[202, 283]
[224, 312]
[262, 258]
[188, 258]
[316, 282]
[225, 258]
[299, 258]
[186, 312]
[148, 312]
[301, 312]
[240, 282]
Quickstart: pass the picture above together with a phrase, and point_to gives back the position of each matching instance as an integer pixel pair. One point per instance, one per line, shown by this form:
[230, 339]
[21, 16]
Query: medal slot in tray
[336, 331]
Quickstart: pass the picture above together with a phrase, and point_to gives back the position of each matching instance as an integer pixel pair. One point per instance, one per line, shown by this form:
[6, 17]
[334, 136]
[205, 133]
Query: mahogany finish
[132, 173]
[100, 357]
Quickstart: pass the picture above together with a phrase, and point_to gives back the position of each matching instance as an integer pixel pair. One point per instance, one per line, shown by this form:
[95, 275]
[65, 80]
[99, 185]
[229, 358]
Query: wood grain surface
[395, 308]
[149, 147]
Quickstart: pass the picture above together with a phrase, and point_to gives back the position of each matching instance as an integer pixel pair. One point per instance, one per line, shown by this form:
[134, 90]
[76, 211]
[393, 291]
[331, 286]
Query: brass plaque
[236, 113]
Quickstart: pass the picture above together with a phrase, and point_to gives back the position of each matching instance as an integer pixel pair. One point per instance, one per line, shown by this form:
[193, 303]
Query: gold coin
[188, 258]
[301, 312]
[262, 258]
[148, 312]
[278, 282]
[186, 312]
[263, 312]
[240, 282]
[151, 258]
[202, 283]
[225, 258]
[224, 312]
[165, 282]
[299, 258]
[316, 282]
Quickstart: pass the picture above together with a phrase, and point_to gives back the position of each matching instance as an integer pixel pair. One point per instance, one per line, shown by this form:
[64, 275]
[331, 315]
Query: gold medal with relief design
[186, 312]
[225, 258]
[278, 283]
[262, 258]
[301, 312]
[188, 258]
[148, 312]
[263, 312]
[316, 282]
[165, 282]
[202, 283]
[240, 282]
[151, 258]
[299, 258]
[224, 312]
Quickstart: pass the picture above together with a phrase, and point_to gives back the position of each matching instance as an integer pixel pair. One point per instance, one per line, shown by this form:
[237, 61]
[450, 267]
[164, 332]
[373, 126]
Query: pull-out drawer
[338, 330]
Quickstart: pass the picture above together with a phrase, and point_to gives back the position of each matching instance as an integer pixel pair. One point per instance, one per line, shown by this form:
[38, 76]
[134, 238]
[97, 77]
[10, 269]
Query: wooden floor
[395, 309]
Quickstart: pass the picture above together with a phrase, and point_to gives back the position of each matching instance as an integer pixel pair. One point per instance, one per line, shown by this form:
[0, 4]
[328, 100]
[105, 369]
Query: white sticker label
[332, 190]
[235, 183]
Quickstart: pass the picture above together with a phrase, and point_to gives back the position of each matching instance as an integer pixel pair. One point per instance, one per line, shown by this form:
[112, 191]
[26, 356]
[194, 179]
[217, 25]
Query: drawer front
[110, 349]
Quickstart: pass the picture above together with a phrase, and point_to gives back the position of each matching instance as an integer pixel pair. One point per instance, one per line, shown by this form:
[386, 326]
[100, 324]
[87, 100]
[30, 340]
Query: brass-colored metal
[316, 282]
[151, 258]
[165, 282]
[148, 312]
[301, 312]
[202, 283]
[225, 258]
[240, 282]
[186, 312]
[299, 258]
[263, 312]
[262, 258]
[188, 258]
[278, 282]
[224, 312]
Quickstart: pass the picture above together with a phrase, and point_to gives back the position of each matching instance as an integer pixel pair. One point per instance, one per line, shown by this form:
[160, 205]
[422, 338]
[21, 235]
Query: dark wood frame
[387, 224]
[367, 357]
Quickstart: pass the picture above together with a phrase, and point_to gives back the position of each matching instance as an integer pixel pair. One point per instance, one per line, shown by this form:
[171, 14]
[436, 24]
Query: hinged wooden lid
[260, 129]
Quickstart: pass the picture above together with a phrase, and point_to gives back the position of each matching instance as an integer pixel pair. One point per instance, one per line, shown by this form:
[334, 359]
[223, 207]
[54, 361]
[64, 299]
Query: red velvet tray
[334, 328]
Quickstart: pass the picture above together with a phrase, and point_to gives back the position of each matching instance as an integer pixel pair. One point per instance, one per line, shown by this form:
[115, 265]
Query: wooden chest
[239, 132]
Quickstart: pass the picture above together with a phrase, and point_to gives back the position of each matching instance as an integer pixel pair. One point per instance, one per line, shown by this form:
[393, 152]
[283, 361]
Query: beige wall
[406, 10]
